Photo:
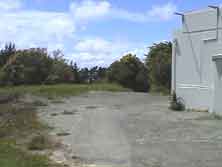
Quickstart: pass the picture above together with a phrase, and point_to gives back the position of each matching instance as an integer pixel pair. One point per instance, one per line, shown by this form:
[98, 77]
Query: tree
[8, 51]
[75, 71]
[84, 75]
[158, 61]
[60, 71]
[102, 73]
[130, 72]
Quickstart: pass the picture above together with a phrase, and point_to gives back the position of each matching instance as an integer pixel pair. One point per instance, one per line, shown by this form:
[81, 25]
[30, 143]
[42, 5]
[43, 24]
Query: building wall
[193, 69]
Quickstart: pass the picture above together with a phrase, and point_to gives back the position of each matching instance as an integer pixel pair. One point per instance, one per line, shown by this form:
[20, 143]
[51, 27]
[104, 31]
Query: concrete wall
[194, 73]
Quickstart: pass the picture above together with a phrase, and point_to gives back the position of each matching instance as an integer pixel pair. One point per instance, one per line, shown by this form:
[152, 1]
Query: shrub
[176, 103]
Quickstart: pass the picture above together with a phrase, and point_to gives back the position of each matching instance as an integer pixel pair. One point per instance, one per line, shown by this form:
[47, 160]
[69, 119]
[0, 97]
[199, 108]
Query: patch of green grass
[10, 156]
[52, 91]
[159, 90]
[195, 110]
[39, 103]
[39, 142]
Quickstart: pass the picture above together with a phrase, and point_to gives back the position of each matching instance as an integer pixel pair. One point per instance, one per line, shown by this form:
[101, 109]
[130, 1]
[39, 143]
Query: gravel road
[134, 130]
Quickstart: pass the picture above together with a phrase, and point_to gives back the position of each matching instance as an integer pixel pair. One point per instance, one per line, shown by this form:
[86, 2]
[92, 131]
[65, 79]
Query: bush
[26, 67]
[130, 72]
[176, 103]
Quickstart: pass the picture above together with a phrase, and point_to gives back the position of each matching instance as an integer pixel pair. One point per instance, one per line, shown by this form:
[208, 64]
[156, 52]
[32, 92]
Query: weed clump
[39, 142]
[176, 103]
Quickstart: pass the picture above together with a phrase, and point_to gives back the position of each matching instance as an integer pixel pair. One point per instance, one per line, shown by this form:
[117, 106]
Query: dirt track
[135, 130]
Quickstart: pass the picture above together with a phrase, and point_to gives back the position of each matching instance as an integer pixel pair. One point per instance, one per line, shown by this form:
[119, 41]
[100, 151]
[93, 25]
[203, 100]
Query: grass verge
[61, 89]
[18, 123]
[10, 156]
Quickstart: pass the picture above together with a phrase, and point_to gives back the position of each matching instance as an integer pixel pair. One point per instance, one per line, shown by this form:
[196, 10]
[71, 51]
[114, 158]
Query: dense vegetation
[36, 66]
[130, 72]
[158, 62]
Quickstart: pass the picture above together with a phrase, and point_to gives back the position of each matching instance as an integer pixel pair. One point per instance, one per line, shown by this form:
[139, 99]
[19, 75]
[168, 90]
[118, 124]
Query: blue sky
[92, 32]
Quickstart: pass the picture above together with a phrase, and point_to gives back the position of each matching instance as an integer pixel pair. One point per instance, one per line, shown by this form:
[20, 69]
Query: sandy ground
[133, 130]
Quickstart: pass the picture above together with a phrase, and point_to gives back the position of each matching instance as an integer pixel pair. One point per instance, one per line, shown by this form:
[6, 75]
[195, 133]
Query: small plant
[176, 103]
[39, 103]
[54, 114]
[39, 142]
[63, 134]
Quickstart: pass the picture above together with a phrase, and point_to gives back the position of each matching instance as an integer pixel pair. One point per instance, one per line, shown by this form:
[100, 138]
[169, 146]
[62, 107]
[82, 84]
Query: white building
[197, 60]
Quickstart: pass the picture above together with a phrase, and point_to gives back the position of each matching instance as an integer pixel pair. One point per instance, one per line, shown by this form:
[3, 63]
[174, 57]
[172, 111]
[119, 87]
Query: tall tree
[8, 51]
[130, 72]
[75, 70]
[158, 61]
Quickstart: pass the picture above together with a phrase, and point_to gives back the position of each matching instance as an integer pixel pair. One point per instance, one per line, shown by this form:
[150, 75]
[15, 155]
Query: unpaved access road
[134, 130]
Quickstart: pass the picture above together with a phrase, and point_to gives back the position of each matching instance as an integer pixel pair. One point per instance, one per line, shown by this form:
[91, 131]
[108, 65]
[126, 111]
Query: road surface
[135, 130]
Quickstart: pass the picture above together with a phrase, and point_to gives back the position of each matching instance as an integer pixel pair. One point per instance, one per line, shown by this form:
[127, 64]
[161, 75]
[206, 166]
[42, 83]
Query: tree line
[37, 66]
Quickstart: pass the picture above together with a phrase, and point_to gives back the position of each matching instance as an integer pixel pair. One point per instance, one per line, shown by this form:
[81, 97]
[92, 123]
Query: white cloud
[139, 52]
[89, 10]
[94, 45]
[28, 28]
[157, 13]
[101, 52]
[164, 12]
[7, 5]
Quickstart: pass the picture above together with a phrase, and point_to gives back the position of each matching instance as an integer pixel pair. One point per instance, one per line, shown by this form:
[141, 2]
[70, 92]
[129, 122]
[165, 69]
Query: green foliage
[75, 70]
[61, 89]
[130, 72]
[94, 74]
[60, 72]
[10, 156]
[26, 67]
[35, 66]
[6, 53]
[158, 61]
